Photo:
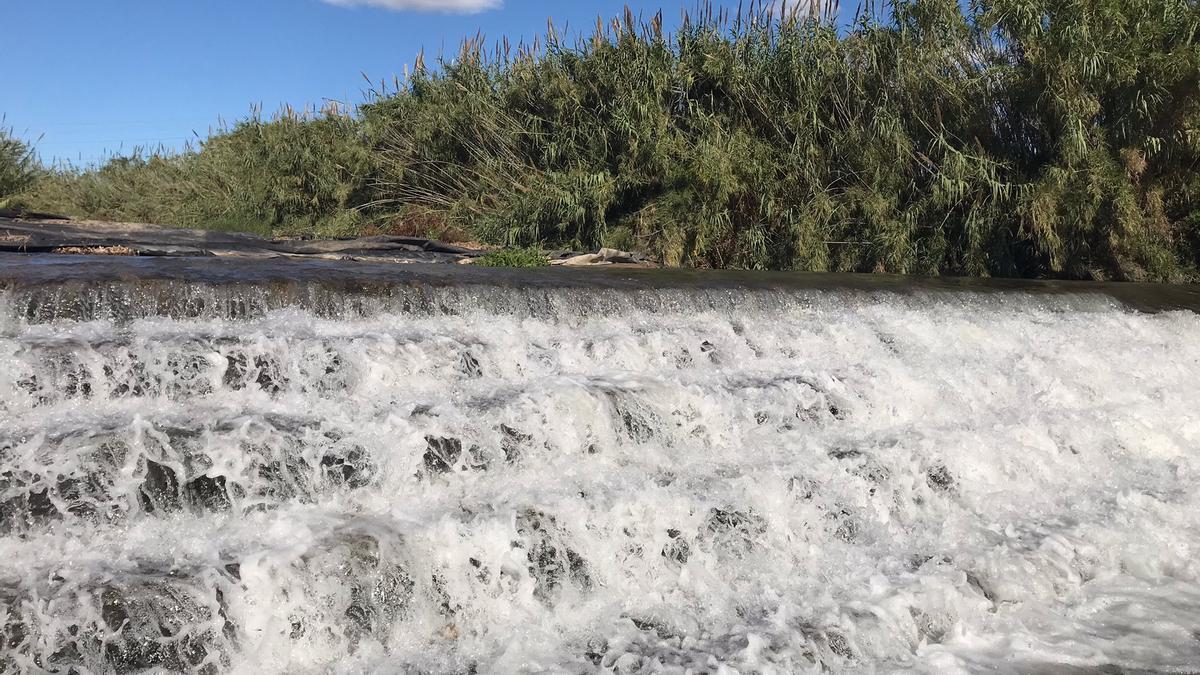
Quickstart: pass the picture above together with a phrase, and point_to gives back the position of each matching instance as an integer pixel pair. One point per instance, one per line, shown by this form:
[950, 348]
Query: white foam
[933, 485]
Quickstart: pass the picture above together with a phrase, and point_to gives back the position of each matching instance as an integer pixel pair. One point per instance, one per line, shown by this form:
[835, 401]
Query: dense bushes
[18, 169]
[1016, 138]
[1013, 137]
[301, 174]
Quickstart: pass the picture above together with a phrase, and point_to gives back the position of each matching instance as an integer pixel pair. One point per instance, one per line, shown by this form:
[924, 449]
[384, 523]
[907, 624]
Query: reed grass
[295, 173]
[19, 169]
[1027, 138]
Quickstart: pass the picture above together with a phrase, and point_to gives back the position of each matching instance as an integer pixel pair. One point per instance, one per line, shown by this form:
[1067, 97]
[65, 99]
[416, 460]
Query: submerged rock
[552, 562]
[442, 454]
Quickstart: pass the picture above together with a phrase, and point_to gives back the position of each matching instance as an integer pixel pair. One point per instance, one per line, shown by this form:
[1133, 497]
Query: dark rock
[735, 530]
[637, 423]
[839, 645]
[470, 365]
[678, 549]
[269, 378]
[551, 561]
[658, 628]
[846, 527]
[442, 454]
[40, 507]
[595, 650]
[939, 479]
[28, 510]
[512, 442]
[159, 492]
[380, 588]
[804, 488]
[239, 369]
[208, 493]
[348, 468]
[975, 582]
[235, 371]
[151, 627]
[88, 496]
[477, 459]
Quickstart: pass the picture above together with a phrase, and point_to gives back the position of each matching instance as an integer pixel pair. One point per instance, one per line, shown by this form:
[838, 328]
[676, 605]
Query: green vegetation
[295, 174]
[514, 257]
[1035, 138]
[18, 169]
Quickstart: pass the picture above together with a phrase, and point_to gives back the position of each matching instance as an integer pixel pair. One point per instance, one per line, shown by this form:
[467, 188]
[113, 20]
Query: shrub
[18, 167]
[514, 257]
[1012, 138]
[295, 174]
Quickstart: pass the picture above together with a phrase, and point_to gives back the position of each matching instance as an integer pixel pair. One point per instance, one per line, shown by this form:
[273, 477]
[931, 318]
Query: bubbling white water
[932, 484]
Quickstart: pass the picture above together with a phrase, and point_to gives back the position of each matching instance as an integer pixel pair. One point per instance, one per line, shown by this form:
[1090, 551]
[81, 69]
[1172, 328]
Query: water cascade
[523, 473]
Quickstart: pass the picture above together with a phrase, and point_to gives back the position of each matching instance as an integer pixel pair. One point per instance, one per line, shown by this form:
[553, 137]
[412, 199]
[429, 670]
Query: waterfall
[240, 472]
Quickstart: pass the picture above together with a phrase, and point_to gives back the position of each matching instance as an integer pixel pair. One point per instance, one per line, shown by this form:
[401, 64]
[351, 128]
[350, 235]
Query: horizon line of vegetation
[1014, 138]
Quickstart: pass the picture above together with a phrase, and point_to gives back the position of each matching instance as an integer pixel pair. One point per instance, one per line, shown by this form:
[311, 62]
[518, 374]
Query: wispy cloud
[448, 6]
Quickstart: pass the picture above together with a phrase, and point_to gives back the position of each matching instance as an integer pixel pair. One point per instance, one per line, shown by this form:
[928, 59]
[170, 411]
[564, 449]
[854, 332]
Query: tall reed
[18, 166]
[1038, 138]
[1012, 137]
[294, 173]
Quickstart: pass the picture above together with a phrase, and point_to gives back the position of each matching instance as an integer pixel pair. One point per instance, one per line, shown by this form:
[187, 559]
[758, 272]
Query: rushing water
[214, 467]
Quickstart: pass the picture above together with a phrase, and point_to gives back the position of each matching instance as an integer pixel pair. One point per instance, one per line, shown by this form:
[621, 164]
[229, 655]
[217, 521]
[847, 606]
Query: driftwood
[605, 256]
[53, 236]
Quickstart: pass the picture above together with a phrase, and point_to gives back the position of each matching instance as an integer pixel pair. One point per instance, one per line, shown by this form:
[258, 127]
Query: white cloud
[449, 6]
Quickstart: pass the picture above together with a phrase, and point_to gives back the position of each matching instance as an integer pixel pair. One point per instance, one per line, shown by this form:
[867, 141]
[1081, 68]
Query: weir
[302, 466]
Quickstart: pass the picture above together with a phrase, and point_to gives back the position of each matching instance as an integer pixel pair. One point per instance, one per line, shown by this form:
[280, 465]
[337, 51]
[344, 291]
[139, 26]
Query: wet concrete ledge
[154, 253]
[26, 271]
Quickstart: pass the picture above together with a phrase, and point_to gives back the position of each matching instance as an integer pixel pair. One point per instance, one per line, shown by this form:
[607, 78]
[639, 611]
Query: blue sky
[100, 77]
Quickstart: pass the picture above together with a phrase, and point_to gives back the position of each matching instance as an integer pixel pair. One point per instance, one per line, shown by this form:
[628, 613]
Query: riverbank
[49, 234]
[1000, 139]
[109, 238]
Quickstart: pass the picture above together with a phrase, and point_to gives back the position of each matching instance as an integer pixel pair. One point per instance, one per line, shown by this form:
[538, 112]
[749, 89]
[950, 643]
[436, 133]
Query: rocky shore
[106, 238]
[93, 237]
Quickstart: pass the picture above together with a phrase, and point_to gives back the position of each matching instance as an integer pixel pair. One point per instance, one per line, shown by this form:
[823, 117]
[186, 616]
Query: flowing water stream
[213, 466]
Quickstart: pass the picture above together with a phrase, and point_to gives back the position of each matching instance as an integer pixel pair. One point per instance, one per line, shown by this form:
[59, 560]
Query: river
[213, 465]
